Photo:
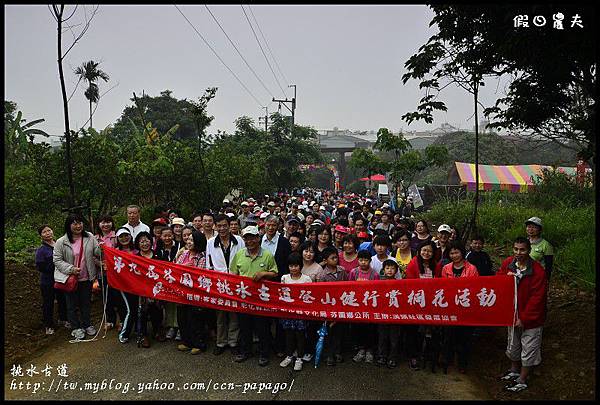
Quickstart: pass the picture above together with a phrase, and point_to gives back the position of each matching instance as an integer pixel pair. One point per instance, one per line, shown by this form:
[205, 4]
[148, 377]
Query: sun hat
[244, 204]
[250, 230]
[363, 235]
[377, 212]
[271, 204]
[178, 221]
[264, 215]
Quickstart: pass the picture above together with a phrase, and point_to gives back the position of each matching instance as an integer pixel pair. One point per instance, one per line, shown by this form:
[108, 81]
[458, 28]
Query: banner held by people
[481, 301]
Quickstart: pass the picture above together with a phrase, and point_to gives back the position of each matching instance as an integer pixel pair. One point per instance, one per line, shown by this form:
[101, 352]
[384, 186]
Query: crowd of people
[309, 236]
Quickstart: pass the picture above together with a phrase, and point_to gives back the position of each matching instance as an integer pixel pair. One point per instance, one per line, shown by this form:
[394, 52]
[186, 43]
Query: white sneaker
[360, 356]
[307, 357]
[67, 325]
[369, 357]
[178, 336]
[78, 333]
[170, 333]
[49, 331]
[90, 330]
[298, 364]
[286, 362]
[123, 339]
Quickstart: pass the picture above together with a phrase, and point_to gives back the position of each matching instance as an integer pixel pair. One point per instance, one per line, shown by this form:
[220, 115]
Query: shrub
[571, 231]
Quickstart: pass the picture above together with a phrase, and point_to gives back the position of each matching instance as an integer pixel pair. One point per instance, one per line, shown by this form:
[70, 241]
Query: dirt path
[106, 360]
[567, 370]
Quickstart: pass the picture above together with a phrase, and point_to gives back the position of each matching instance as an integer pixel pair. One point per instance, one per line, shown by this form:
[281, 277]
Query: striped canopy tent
[516, 179]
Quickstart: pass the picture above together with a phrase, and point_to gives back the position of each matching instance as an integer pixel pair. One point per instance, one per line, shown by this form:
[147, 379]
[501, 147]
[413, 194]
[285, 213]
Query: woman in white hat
[177, 225]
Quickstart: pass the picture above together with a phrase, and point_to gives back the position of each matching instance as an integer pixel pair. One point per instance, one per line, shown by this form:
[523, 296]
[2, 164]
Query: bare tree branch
[83, 31]
[72, 14]
[52, 13]
[77, 85]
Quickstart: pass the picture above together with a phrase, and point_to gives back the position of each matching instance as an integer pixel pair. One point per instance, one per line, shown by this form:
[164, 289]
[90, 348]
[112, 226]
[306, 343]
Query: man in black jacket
[281, 249]
[277, 244]
[479, 258]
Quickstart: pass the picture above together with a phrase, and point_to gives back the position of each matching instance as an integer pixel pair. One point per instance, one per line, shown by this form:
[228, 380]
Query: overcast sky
[347, 63]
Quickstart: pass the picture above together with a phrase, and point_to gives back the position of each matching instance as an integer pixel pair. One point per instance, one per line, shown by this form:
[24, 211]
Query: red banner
[483, 301]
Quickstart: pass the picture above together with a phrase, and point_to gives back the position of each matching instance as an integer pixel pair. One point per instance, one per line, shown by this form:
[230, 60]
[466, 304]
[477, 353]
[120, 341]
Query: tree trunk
[90, 114]
[71, 198]
[476, 202]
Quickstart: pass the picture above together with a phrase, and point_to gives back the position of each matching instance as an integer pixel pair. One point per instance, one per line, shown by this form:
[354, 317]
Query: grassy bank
[570, 230]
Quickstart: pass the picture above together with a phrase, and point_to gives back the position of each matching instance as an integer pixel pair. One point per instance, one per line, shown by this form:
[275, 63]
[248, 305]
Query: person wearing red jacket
[525, 338]
[457, 339]
[423, 265]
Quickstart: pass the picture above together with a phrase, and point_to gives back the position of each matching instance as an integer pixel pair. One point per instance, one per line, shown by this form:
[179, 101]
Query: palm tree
[89, 72]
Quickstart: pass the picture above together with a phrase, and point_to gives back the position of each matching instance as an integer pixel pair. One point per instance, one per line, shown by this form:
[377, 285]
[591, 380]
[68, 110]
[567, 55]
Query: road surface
[117, 371]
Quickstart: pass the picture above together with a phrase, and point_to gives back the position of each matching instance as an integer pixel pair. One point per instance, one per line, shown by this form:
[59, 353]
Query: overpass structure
[341, 144]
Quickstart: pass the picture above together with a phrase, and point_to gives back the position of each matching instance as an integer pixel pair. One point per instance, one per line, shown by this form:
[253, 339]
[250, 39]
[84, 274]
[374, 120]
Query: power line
[261, 49]
[268, 47]
[218, 57]
[239, 53]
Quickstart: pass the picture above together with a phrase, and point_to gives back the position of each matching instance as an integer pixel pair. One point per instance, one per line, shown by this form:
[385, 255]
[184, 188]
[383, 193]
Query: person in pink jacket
[457, 339]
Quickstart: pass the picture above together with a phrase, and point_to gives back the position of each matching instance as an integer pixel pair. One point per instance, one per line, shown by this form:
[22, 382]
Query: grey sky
[347, 62]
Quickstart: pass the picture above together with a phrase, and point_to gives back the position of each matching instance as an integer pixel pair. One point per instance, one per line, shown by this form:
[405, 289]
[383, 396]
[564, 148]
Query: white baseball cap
[121, 231]
[445, 228]
[534, 220]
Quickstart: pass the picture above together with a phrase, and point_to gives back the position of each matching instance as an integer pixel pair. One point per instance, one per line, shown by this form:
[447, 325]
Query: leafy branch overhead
[552, 90]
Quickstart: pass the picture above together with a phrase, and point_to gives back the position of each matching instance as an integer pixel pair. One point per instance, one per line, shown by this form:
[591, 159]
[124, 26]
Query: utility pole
[266, 118]
[292, 102]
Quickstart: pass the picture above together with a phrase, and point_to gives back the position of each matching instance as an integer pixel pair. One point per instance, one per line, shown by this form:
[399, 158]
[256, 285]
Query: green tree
[202, 121]
[89, 72]
[18, 132]
[552, 92]
[164, 111]
[367, 161]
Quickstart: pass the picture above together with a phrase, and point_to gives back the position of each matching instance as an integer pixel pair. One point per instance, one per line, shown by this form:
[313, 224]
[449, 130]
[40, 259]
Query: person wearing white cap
[442, 253]
[541, 250]
[245, 213]
[259, 264]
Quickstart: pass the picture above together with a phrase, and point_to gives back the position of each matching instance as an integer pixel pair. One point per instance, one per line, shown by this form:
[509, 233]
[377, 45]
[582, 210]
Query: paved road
[140, 373]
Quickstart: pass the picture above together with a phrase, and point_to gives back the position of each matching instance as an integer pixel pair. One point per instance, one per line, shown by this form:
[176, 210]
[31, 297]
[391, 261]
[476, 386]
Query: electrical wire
[268, 47]
[239, 53]
[262, 50]
[218, 57]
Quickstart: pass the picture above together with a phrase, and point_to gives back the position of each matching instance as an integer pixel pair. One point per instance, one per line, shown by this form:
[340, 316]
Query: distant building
[371, 136]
